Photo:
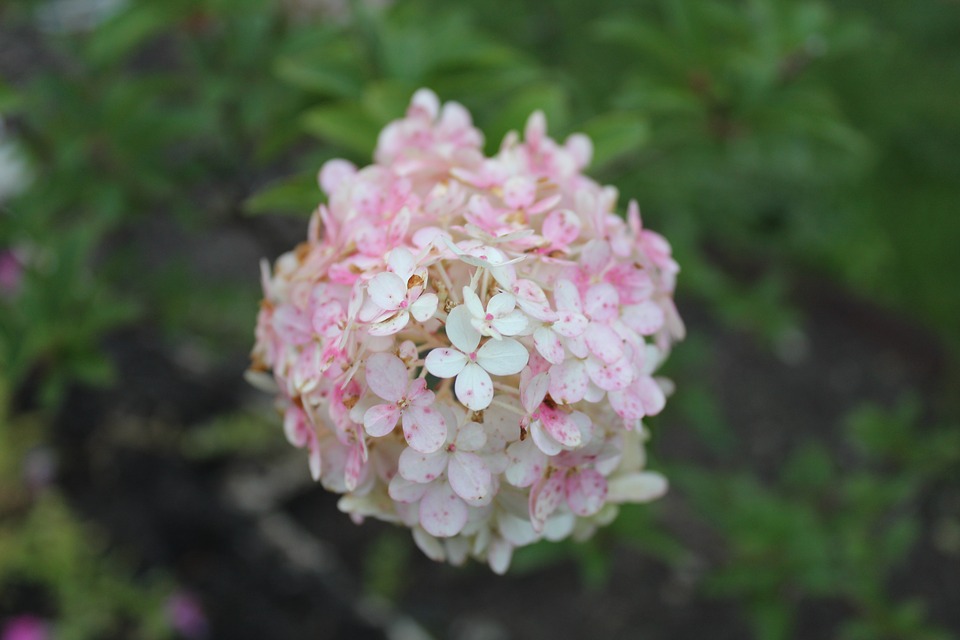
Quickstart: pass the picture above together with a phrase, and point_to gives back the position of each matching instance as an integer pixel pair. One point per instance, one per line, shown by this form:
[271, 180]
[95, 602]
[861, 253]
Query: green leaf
[127, 30]
[321, 79]
[346, 125]
[10, 100]
[297, 194]
[615, 135]
[548, 97]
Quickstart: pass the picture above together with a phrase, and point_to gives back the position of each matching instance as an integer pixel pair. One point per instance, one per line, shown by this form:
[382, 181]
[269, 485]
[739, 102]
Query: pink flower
[11, 274]
[26, 627]
[398, 293]
[467, 345]
[408, 402]
[186, 615]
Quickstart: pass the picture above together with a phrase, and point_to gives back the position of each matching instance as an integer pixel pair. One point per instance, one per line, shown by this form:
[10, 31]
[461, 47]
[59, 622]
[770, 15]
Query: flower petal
[586, 492]
[503, 357]
[567, 296]
[651, 395]
[405, 491]
[422, 467]
[548, 345]
[545, 497]
[610, 377]
[569, 381]
[533, 391]
[380, 419]
[543, 440]
[387, 376]
[469, 476]
[473, 387]
[561, 227]
[560, 426]
[511, 324]
[424, 428]
[402, 263]
[501, 304]
[472, 302]
[442, 512]
[602, 302]
[642, 486]
[391, 326]
[445, 363]
[603, 342]
[646, 318]
[387, 290]
[459, 330]
[527, 463]
[499, 554]
[424, 307]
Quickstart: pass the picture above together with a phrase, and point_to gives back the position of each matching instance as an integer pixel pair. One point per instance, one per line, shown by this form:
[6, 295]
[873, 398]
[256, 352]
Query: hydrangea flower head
[466, 345]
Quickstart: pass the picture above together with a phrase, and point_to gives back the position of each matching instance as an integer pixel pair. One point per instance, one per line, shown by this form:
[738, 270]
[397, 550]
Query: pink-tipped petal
[602, 302]
[533, 391]
[586, 492]
[603, 342]
[333, 173]
[610, 377]
[651, 395]
[474, 388]
[545, 497]
[380, 419]
[543, 440]
[646, 318]
[469, 476]
[424, 428]
[560, 426]
[387, 290]
[561, 227]
[387, 376]
[422, 467]
[527, 463]
[442, 513]
[569, 381]
[405, 491]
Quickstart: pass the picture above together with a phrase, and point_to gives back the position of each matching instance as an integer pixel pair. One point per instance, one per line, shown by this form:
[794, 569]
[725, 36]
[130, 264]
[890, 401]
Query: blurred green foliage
[765, 138]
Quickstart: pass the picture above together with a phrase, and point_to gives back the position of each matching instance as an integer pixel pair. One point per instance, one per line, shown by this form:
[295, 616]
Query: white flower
[500, 318]
[471, 366]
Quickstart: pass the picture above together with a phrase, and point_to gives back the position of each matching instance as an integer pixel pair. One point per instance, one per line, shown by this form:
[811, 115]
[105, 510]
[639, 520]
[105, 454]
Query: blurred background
[803, 157]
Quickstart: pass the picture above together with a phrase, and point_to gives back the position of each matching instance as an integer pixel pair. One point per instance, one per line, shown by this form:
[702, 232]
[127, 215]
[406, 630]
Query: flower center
[403, 304]
[488, 317]
[473, 356]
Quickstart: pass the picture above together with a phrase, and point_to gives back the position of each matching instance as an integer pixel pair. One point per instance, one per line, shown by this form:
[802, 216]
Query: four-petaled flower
[500, 318]
[408, 402]
[397, 294]
[471, 366]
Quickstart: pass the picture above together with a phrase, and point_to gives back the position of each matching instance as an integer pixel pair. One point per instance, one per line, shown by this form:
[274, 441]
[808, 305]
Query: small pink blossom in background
[186, 616]
[466, 345]
[26, 627]
[11, 274]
